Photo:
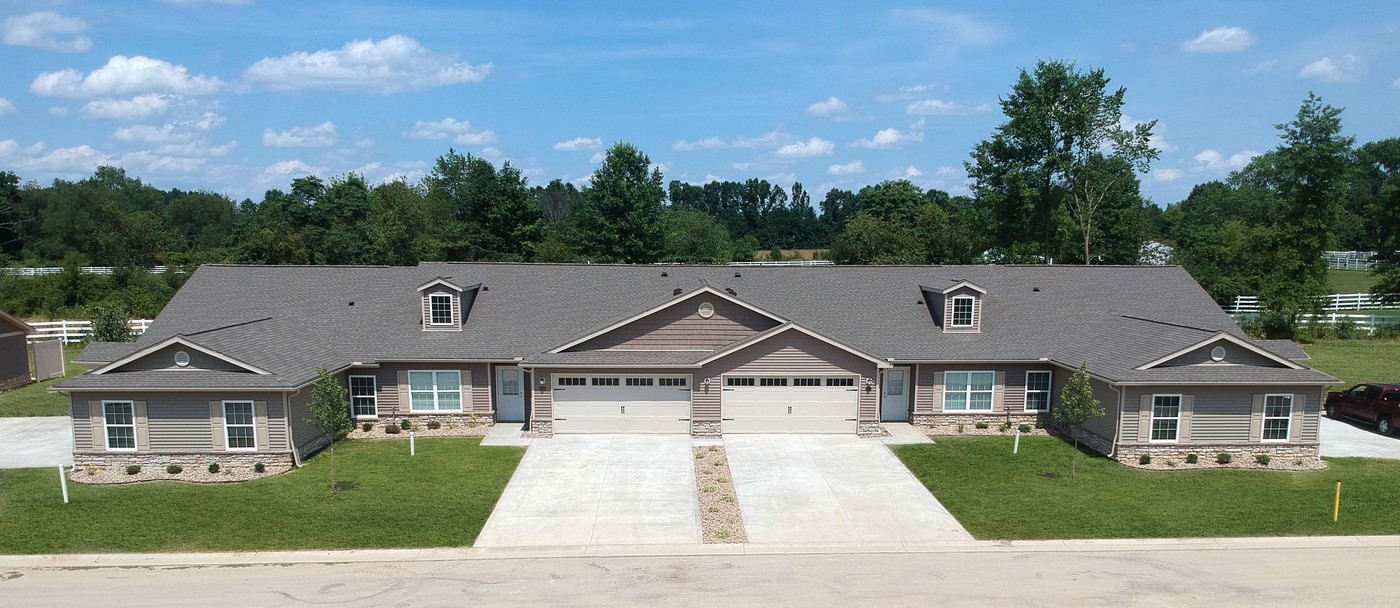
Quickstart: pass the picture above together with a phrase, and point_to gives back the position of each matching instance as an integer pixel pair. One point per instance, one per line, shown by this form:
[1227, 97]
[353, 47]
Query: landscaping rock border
[99, 475]
[720, 517]
[420, 430]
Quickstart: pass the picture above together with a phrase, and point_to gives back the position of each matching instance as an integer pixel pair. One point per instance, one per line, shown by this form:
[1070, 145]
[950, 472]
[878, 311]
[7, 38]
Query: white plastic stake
[412, 449]
[63, 482]
[1015, 448]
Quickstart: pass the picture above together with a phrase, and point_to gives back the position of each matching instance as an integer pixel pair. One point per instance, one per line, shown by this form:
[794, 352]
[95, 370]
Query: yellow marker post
[1337, 501]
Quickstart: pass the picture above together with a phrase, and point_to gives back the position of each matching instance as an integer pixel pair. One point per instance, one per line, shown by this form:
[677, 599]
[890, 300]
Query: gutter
[287, 420]
[1118, 421]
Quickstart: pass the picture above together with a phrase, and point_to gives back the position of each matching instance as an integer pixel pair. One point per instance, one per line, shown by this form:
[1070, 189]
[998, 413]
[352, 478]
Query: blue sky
[238, 96]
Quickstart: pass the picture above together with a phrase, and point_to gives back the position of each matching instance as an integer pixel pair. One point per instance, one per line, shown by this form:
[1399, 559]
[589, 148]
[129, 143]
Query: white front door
[894, 395]
[510, 394]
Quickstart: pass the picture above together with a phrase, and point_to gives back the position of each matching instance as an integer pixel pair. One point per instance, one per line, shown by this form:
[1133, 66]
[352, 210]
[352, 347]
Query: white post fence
[74, 331]
[1330, 303]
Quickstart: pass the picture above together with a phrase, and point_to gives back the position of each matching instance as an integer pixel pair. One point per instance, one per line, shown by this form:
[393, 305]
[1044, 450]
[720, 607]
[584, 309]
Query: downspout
[529, 375]
[1117, 421]
[287, 421]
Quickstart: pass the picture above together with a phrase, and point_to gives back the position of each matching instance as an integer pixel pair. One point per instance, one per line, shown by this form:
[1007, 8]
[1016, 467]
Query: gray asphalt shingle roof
[292, 319]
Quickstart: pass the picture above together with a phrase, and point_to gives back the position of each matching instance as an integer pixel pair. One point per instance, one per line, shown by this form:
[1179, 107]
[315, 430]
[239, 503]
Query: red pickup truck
[1376, 403]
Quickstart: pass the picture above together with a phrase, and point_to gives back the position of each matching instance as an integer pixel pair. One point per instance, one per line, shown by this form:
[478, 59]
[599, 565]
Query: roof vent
[919, 302]
[485, 288]
[676, 291]
[1035, 289]
[665, 274]
[730, 291]
[352, 303]
[737, 275]
[182, 358]
[1217, 354]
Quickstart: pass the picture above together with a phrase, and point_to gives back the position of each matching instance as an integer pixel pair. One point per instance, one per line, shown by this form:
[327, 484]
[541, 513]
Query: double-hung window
[1278, 414]
[435, 391]
[968, 391]
[119, 424]
[239, 431]
[962, 311]
[1166, 417]
[363, 401]
[1037, 391]
[440, 309]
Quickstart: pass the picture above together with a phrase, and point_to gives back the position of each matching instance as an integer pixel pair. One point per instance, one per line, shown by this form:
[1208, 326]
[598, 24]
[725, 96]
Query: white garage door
[621, 403]
[786, 404]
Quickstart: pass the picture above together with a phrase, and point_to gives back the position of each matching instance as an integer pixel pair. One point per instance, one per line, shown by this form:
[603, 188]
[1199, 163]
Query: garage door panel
[787, 407]
[622, 408]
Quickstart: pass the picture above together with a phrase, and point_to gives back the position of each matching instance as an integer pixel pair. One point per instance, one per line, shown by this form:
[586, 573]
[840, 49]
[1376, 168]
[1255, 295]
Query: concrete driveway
[1347, 437]
[831, 488]
[599, 490]
[45, 441]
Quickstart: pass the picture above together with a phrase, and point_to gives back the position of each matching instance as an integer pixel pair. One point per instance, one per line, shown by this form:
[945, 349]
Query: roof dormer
[444, 304]
[962, 308]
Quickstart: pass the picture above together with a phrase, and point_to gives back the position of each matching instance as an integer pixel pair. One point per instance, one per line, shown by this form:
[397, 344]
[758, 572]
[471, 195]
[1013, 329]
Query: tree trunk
[333, 463]
[1074, 461]
[1086, 246]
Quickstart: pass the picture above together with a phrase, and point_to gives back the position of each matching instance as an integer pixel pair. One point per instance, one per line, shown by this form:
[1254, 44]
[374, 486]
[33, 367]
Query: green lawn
[998, 495]
[34, 400]
[441, 497]
[1351, 281]
[1355, 361]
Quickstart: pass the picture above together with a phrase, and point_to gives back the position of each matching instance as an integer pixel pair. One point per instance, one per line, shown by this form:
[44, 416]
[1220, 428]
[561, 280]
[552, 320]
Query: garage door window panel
[435, 391]
[968, 391]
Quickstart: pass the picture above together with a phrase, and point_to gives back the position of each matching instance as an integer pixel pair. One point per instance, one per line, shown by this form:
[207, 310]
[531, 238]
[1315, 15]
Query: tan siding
[790, 353]
[276, 424]
[928, 390]
[82, 423]
[165, 359]
[476, 382]
[426, 299]
[1221, 414]
[179, 424]
[1108, 398]
[304, 433]
[1234, 353]
[176, 422]
[977, 299]
[680, 327]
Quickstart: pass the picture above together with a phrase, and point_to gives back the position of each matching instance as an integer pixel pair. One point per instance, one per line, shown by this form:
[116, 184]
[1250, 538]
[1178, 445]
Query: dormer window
[445, 305]
[440, 309]
[962, 311]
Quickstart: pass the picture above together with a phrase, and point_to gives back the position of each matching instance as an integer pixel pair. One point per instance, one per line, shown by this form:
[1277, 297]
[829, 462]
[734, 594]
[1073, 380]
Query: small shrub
[722, 480]
[392, 429]
[434, 425]
[1262, 459]
[1171, 463]
[213, 467]
[714, 448]
[722, 534]
[714, 509]
[368, 426]
[1192, 458]
[1025, 428]
[405, 424]
[1003, 427]
[1223, 458]
[1040, 424]
[174, 469]
[1297, 462]
[133, 469]
[981, 425]
[728, 499]
[699, 456]
[961, 427]
[1145, 459]
[709, 489]
[258, 467]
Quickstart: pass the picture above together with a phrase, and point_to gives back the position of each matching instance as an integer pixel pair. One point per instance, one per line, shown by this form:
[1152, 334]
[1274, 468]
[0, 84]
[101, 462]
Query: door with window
[894, 395]
[510, 394]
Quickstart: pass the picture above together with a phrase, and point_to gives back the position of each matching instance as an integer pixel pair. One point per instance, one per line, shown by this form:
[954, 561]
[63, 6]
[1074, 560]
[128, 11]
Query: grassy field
[1355, 361]
[1351, 281]
[997, 495]
[34, 399]
[439, 498]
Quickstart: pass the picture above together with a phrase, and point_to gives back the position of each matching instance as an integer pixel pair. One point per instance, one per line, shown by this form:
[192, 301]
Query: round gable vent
[1217, 354]
[182, 358]
[707, 310]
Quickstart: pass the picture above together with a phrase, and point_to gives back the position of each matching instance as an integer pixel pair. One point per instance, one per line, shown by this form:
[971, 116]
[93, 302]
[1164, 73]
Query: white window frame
[252, 425]
[971, 312]
[1286, 418]
[1049, 389]
[968, 392]
[1153, 418]
[432, 316]
[373, 396]
[435, 391]
[107, 437]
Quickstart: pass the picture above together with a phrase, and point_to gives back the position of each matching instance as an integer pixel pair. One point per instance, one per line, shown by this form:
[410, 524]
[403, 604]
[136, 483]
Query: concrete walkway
[599, 490]
[832, 489]
[1346, 437]
[903, 433]
[45, 441]
[511, 434]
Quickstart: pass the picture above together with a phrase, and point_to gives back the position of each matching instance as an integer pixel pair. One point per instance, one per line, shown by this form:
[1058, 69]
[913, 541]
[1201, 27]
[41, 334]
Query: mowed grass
[34, 399]
[998, 496]
[1356, 361]
[1351, 281]
[441, 497]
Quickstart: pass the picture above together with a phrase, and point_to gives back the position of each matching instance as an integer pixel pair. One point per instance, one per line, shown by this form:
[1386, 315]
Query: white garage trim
[621, 403]
[785, 403]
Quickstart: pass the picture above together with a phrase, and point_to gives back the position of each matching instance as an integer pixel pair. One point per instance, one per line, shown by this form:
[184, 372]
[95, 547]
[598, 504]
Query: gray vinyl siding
[82, 424]
[542, 399]
[680, 327]
[276, 424]
[304, 434]
[14, 355]
[426, 298]
[1234, 354]
[928, 394]
[392, 397]
[178, 422]
[165, 359]
[1108, 399]
[1223, 414]
[793, 352]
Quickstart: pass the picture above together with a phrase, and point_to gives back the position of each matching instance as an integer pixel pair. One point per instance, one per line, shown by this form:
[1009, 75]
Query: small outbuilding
[14, 351]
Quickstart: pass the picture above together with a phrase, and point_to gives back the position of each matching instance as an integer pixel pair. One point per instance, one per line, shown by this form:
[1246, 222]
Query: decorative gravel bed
[450, 428]
[191, 474]
[719, 505]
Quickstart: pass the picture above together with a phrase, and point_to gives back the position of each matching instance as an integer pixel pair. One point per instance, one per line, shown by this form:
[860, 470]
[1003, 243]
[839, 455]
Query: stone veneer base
[1282, 457]
[705, 429]
[948, 424]
[194, 464]
[15, 382]
[541, 429]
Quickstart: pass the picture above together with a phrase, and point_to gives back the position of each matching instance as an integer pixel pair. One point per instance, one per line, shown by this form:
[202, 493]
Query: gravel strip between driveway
[719, 504]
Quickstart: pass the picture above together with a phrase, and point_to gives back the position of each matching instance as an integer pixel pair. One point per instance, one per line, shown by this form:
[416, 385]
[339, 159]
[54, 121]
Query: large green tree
[695, 237]
[619, 216]
[1378, 183]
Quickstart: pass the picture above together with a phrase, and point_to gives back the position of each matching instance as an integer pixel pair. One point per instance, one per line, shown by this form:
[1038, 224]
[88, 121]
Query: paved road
[1176, 576]
[1347, 437]
[45, 441]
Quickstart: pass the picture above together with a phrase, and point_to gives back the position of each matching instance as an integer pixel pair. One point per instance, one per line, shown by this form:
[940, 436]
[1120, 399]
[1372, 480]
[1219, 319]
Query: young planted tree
[110, 324]
[1077, 406]
[330, 412]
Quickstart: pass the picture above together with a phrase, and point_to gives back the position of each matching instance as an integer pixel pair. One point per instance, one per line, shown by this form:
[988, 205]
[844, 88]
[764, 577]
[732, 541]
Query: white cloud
[597, 157]
[1215, 162]
[938, 107]
[282, 173]
[813, 147]
[851, 168]
[891, 138]
[319, 136]
[1221, 39]
[958, 28]
[203, 2]
[391, 65]
[579, 144]
[1263, 67]
[741, 166]
[1167, 175]
[8, 147]
[908, 93]
[708, 143]
[6, 106]
[60, 111]
[196, 149]
[1159, 133]
[711, 178]
[41, 30]
[771, 139]
[1346, 69]
[459, 131]
[136, 108]
[832, 108]
[910, 172]
[173, 132]
[75, 160]
[125, 76]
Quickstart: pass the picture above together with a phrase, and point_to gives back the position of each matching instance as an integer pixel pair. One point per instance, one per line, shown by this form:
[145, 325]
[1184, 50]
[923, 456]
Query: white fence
[34, 272]
[75, 331]
[785, 263]
[1334, 302]
[1350, 260]
[1362, 322]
